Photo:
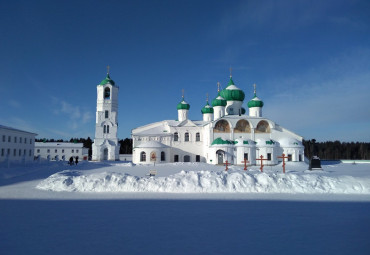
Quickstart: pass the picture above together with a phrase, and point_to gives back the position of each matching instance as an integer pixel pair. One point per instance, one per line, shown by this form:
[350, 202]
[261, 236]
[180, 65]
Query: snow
[189, 208]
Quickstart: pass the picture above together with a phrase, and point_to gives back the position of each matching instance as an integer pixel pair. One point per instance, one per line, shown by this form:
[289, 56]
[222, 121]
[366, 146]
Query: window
[9, 139]
[3, 138]
[107, 93]
[242, 126]
[15, 139]
[186, 137]
[186, 158]
[25, 140]
[263, 127]
[76, 151]
[8, 152]
[15, 152]
[300, 157]
[268, 156]
[106, 114]
[73, 151]
[163, 156]
[24, 152]
[2, 152]
[38, 150]
[197, 137]
[107, 129]
[197, 158]
[289, 157]
[56, 150]
[30, 153]
[222, 126]
[30, 141]
[176, 158]
[63, 151]
[20, 152]
[20, 139]
[48, 150]
[245, 156]
[142, 156]
[176, 137]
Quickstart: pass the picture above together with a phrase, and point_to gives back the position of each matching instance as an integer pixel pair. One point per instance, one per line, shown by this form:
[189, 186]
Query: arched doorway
[186, 158]
[220, 157]
[105, 154]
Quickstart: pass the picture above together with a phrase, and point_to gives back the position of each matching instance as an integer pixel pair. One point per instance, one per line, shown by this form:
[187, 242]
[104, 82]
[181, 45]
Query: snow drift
[206, 182]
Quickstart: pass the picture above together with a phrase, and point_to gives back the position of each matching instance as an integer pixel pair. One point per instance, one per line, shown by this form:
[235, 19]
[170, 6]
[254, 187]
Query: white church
[226, 133]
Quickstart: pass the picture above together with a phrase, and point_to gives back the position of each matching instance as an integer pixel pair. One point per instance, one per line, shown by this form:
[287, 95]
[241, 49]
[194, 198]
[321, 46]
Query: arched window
[107, 93]
[176, 137]
[163, 156]
[142, 156]
[186, 137]
[222, 126]
[263, 127]
[105, 129]
[197, 137]
[242, 126]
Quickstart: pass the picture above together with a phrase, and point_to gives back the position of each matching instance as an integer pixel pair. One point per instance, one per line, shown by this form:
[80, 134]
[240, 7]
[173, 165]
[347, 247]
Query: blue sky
[309, 59]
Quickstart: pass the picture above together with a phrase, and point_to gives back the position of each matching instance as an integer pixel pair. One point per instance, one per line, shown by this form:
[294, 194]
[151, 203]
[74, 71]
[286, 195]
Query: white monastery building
[226, 133]
[106, 145]
[60, 151]
[16, 145]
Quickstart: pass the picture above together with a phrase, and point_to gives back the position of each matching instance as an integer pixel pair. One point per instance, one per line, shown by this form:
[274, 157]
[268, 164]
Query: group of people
[71, 161]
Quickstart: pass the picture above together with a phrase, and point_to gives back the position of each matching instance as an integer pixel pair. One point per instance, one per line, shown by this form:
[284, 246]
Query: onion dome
[255, 102]
[232, 92]
[183, 105]
[107, 80]
[207, 109]
[219, 101]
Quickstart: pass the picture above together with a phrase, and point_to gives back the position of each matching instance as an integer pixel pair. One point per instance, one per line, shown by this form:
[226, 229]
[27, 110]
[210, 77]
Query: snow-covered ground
[114, 208]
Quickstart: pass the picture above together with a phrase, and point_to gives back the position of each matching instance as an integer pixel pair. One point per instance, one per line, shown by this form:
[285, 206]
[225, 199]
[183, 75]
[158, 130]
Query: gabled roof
[15, 129]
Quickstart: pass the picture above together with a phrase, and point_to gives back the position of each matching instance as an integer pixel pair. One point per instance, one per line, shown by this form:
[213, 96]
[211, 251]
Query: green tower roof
[107, 80]
[219, 101]
[232, 92]
[183, 105]
[207, 109]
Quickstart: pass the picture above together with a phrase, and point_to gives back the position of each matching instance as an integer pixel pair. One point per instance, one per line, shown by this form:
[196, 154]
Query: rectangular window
[8, 154]
[15, 139]
[245, 156]
[25, 140]
[73, 151]
[2, 152]
[9, 139]
[24, 152]
[76, 151]
[197, 158]
[197, 137]
[3, 138]
[30, 153]
[38, 150]
[268, 156]
[20, 152]
[176, 159]
[30, 141]
[48, 150]
[106, 114]
[289, 157]
[107, 129]
[56, 151]
[20, 139]
[15, 152]
[63, 151]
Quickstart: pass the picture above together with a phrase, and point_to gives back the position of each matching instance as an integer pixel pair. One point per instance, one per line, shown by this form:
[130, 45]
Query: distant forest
[325, 150]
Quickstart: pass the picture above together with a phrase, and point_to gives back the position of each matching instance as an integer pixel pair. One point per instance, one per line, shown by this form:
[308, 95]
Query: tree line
[324, 150]
[336, 150]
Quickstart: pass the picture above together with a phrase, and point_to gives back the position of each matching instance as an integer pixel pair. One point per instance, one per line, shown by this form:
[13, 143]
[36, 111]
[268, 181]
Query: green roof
[255, 102]
[207, 109]
[234, 94]
[183, 105]
[219, 140]
[107, 80]
[218, 101]
[231, 82]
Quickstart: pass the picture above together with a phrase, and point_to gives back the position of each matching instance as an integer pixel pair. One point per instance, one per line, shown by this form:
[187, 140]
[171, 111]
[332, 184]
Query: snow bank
[206, 182]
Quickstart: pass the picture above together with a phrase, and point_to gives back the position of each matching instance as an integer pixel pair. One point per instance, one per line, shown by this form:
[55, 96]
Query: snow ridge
[206, 182]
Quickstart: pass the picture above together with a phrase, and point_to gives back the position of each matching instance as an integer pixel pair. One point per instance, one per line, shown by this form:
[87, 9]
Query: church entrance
[105, 154]
[220, 157]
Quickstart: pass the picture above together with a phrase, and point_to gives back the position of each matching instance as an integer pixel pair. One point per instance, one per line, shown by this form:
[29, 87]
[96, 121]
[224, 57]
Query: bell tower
[106, 145]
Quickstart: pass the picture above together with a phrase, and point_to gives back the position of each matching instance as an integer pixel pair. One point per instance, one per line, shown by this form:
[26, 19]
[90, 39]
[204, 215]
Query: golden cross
[230, 71]
[182, 91]
[108, 69]
[254, 85]
[218, 86]
[207, 96]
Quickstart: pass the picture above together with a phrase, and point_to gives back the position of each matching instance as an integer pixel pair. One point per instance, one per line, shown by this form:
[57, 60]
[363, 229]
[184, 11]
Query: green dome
[107, 80]
[219, 101]
[219, 141]
[207, 109]
[255, 102]
[232, 92]
[183, 105]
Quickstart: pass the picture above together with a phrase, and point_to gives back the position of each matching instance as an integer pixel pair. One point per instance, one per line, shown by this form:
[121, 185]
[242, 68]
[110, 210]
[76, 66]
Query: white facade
[16, 145]
[230, 136]
[61, 151]
[106, 145]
